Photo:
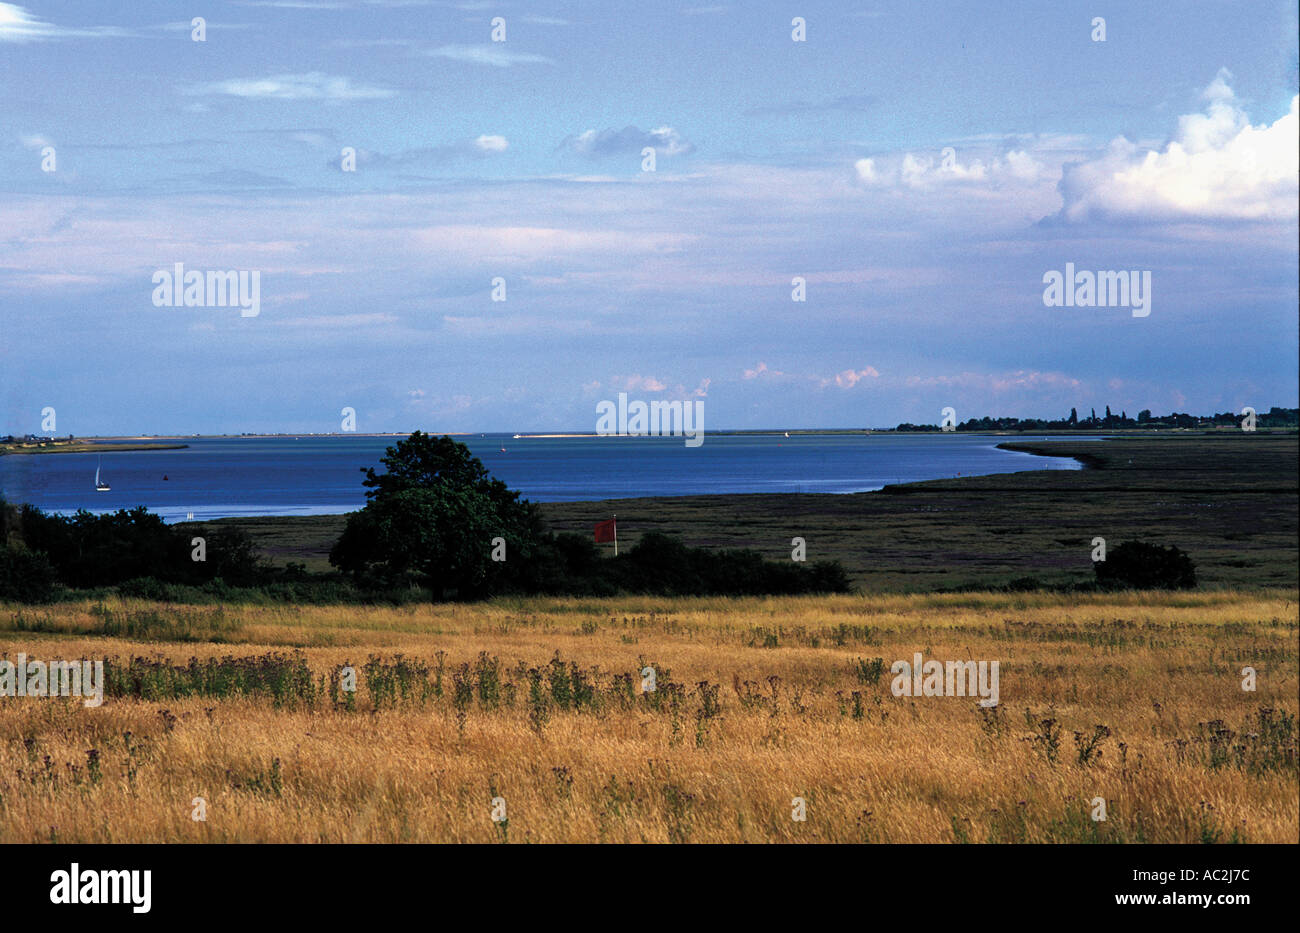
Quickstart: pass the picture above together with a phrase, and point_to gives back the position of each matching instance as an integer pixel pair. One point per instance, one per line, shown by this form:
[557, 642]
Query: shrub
[25, 576]
[1143, 566]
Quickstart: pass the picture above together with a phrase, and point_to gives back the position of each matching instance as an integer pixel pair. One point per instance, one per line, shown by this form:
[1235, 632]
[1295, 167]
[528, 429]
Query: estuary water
[218, 477]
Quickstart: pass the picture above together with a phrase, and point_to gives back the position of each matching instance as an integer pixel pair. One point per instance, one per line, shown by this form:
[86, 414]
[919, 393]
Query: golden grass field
[785, 711]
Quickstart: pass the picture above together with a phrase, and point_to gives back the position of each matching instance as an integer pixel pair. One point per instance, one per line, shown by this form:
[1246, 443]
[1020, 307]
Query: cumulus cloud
[851, 377]
[925, 172]
[665, 140]
[1218, 165]
[866, 169]
[311, 86]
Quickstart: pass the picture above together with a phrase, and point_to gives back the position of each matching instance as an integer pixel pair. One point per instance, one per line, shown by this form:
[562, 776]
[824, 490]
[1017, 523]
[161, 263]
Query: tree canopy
[435, 514]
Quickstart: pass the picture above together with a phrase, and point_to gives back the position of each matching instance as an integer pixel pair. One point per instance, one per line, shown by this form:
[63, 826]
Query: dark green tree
[434, 516]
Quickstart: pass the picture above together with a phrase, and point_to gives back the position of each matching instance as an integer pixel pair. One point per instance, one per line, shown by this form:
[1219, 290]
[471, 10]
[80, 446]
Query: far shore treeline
[1275, 417]
[435, 526]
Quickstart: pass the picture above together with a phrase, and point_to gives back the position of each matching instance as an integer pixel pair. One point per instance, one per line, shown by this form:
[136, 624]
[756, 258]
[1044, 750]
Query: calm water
[221, 477]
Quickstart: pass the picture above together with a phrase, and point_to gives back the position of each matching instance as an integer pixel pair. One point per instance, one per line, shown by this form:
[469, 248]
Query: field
[1138, 702]
[1135, 699]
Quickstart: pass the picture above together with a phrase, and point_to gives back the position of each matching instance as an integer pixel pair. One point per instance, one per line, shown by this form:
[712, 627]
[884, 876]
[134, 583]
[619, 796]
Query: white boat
[99, 485]
[787, 433]
[517, 436]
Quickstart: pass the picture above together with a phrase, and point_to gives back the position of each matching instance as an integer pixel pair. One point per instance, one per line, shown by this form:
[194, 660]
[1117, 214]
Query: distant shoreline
[147, 439]
[87, 446]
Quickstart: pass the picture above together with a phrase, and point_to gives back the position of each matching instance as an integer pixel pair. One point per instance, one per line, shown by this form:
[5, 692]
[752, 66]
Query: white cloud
[311, 86]
[761, 370]
[919, 172]
[644, 384]
[488, 55]
[17, 24]
[665, 140]
[851, 377]
[491, 143]
[866, 169]
[1024, 166]
[1217, 166]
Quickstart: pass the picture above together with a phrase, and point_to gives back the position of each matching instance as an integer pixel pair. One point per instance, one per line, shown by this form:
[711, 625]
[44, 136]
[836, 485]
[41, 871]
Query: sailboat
[100, 486]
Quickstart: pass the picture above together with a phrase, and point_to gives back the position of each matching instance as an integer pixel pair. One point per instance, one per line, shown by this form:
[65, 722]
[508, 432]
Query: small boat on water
[517, 436]
[100, 485]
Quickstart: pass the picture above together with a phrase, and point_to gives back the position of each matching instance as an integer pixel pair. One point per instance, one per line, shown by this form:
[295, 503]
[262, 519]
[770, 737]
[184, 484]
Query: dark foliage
[87, 550]
[25, 576]
[434, 515]
[1143, 566]
[1275, 417]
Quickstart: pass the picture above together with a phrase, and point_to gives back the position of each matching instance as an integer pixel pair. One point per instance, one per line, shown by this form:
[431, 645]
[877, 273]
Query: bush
[1141, 566]
[26, 576]
[664, 566]
[89, 550]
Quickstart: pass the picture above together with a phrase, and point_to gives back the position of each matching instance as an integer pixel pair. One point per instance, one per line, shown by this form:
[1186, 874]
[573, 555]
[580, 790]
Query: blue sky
[1169, 147]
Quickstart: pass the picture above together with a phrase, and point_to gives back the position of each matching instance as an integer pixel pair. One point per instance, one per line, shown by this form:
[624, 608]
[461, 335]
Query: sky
[388, 169]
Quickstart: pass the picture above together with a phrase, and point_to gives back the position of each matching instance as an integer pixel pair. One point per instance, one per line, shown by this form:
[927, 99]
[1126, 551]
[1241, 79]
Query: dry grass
[1161, 672]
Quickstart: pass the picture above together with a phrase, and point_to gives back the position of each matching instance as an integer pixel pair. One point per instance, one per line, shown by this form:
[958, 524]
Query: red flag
[606, 531]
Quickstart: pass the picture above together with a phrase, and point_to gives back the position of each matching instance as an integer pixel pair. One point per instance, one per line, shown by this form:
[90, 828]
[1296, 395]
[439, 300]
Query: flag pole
[616, 535]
